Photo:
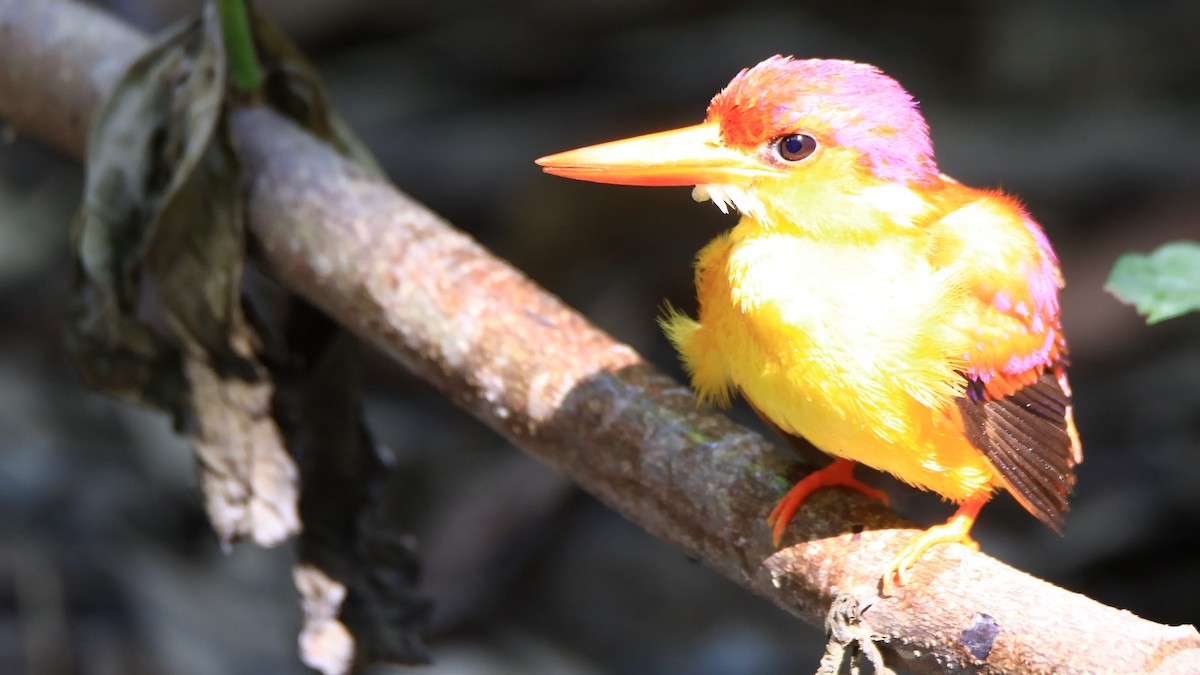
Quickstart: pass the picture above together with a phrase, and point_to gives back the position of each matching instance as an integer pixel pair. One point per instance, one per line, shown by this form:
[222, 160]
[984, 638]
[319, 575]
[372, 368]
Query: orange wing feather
[1016, 406]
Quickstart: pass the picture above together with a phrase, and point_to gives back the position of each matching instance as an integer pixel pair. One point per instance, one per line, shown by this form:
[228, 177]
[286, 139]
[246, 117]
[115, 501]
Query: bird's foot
[841, 472]
[955, 530]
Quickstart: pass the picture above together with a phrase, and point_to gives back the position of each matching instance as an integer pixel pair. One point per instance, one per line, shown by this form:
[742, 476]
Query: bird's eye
[795, 147]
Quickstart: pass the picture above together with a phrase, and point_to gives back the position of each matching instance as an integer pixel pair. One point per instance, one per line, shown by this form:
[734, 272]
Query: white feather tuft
[726, 196]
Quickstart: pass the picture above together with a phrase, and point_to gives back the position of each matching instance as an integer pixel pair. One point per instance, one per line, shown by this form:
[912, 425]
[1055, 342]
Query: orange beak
[689, 156]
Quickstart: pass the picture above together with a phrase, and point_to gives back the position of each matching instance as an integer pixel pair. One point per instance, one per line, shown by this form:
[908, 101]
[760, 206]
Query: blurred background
[1091, 114]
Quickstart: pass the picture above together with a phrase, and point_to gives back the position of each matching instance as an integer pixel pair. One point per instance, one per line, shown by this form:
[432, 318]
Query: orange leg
[841, 472]
[957, 529]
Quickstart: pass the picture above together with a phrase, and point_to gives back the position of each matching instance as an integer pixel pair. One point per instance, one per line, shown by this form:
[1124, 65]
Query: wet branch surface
[537, 372]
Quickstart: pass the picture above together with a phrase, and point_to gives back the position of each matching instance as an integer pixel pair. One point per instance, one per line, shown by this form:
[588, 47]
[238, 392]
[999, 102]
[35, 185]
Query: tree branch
[534, 370]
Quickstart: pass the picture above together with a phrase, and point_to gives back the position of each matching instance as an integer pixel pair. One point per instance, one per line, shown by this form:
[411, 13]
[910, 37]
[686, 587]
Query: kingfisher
[864, 300]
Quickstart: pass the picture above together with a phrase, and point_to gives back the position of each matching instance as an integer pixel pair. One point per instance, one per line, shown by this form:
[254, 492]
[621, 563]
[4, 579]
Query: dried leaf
[158, 318]
[325, 644]
[345, 533]
[295, 89]
[157, 312]
[249, 484]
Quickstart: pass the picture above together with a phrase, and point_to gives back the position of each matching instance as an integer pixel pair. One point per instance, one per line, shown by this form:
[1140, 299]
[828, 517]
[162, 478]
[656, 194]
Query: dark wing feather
[1028, 436]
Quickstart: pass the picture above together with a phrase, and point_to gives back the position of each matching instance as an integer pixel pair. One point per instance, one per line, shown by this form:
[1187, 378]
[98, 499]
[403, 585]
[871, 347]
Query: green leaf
[1162, 285]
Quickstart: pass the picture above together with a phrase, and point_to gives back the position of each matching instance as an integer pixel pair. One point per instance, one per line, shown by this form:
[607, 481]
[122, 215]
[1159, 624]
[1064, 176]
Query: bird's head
[778, 135]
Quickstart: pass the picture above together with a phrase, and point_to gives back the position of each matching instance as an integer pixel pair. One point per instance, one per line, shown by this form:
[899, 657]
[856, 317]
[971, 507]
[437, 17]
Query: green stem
[239, 46]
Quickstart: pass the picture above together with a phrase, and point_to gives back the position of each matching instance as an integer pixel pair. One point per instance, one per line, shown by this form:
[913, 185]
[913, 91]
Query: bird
[864, 301]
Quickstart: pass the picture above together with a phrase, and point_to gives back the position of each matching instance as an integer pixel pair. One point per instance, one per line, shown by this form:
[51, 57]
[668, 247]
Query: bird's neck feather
[832, 209]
